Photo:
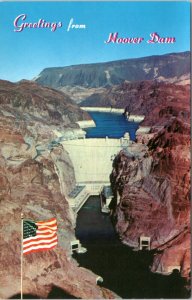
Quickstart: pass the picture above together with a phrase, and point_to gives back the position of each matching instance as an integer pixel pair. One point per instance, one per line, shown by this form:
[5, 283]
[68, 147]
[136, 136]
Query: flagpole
[21, 256]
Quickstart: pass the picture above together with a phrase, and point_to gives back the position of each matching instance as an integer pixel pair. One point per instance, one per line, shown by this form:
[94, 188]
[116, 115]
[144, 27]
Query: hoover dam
[92, 155]
[92, 158]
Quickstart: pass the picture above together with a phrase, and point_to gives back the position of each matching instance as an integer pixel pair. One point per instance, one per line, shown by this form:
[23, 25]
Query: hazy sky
[24, 54]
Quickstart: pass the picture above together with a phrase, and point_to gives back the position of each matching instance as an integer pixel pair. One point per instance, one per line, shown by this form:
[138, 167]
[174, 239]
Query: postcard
[95, 150]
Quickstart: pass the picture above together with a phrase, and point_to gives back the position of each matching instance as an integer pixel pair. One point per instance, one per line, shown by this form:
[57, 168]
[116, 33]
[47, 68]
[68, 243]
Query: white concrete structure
[76, 246]
[86, 124]
[92, 158]
[136, 118]
[77, 202]
[144, 242]
[70, 134]
[104, 109]
[167, 270]
[143, 130]
[99, 279]
[170, 269]
[106, 196]
[89, 189]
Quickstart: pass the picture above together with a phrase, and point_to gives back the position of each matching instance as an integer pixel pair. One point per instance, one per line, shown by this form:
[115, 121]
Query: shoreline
[86, 124]
[103, 109]
[133, 118]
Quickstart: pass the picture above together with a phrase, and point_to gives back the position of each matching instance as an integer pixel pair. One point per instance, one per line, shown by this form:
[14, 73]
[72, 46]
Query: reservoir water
[124, 271]
[112, 125]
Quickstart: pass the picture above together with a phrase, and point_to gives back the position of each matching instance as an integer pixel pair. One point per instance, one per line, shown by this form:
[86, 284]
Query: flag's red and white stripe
[45, 239]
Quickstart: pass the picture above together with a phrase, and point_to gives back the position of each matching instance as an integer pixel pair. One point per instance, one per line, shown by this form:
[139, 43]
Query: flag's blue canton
[29, 229]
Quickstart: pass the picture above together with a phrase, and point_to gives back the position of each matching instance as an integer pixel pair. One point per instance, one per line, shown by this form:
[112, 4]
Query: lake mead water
[112, 125]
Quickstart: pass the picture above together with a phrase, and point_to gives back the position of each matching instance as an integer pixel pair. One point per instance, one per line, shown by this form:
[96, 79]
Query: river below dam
[124, 271]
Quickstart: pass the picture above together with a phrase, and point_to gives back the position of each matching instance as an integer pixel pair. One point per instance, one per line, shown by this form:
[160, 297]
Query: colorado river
[124, 271]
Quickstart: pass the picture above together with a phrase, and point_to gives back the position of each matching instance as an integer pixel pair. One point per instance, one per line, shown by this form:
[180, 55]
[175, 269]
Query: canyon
[154, 198]
[153, 190]
[151, 183]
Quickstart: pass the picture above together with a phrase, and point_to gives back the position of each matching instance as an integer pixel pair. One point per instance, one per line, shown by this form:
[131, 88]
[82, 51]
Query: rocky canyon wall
[154, 189]
[34, 180]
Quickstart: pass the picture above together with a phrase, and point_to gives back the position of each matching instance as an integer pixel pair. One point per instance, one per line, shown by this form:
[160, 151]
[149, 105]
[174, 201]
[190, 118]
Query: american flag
[39, 236]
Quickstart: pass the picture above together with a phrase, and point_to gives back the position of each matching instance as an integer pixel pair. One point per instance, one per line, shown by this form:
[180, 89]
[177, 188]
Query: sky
[24, 54]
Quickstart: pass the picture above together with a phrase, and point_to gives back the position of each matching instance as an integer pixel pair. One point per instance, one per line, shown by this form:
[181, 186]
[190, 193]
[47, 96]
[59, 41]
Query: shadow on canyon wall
[56, 293]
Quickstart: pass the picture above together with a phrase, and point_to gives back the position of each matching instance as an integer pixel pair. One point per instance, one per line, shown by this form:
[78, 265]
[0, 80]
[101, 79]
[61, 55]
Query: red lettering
[154, 38]
[112, 38]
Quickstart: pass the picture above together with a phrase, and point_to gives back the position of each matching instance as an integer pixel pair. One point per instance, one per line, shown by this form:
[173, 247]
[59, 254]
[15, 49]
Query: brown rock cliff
[35, 183]
[154, 197]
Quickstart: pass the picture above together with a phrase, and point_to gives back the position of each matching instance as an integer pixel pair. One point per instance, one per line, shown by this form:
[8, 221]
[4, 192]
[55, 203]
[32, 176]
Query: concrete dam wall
[92, 158]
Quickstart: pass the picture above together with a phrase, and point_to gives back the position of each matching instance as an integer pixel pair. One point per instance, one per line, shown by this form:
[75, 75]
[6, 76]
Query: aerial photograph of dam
[95, 150]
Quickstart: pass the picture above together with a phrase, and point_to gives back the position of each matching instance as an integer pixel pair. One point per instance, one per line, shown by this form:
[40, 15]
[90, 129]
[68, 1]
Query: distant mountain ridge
[173, 67]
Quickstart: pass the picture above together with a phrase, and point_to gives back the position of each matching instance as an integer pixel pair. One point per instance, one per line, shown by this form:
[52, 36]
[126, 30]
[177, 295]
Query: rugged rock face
[34, 180]
[27, 101]
[32, 187]
[164, 67]
[160, 100]
[81, 81]
[151, 178]
[154, 197]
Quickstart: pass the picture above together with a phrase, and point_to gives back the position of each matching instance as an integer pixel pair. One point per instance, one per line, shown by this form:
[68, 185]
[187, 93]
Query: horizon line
[111, 61]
